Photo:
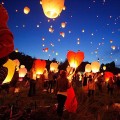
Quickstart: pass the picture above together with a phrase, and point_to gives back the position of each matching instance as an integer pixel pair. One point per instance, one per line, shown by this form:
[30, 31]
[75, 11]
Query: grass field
[18, 106]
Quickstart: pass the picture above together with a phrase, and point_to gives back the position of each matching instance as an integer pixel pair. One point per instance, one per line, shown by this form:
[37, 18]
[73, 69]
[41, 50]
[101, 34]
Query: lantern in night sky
[75, 58]
[104, 67]
[16, 50]
[11, 69]
[52, 8]
[107, 75]
[17, 63]
[62, 34]
[40, 66]
[54, 66]
[26, 10]
[88, 68]
[95, 66]
[113, 47]
[111, 41]
[22, 73]
[63, 24]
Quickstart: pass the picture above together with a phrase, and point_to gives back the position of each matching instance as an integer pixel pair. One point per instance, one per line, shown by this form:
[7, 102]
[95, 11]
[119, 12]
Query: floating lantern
[63, 24]
[104, 67]
[51, 30]
[54, 66]
[16, 50]
[17, 63]
[107, 75]
[22, 73]
[88, 68]
[11, 69]
[113, 47]
[62, 34]
[40, 66]
[26, 10]
[75, 59]
[52, 8]
[95, 66]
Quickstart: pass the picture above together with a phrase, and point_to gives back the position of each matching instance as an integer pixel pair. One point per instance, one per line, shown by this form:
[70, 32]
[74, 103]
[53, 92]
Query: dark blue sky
[91, 23]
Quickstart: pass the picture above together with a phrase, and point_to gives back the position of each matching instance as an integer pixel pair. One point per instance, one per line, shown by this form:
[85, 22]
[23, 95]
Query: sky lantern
[51, 30]
[113, 47]
[75, 58]
[17, 64]
[104, 67]
[54, 66]
[26, 10]
[107, 75]
[45, 50]
[62, 34]
[40, 66]
[16, 50]
[63, 24]
[22, 66]
[95, 66]
[52, 8]
[111, 41]
[88, 68]
[11, 69]
[22, 73]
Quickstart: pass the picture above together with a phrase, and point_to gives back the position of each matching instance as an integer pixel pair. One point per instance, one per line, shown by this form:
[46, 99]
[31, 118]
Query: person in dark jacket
[62, 84]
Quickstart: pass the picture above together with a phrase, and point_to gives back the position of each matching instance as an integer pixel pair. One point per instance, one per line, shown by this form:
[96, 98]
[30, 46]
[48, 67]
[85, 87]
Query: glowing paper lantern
[11, 69]
[40, 66]
[51, 30]
[88, 68]
[118, 74]
[111, 41]
[113, 47]
[17, 63]
[52, 8]
[107, 75]
[104, 67]
[75, 59]
[26, 10]
[62, 34]
[16, 50]
[22, 73]
[95, 66]
[63, 24]
[22, 66]
[54, 66]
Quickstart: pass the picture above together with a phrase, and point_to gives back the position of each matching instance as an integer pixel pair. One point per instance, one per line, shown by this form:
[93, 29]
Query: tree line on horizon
[28, 61]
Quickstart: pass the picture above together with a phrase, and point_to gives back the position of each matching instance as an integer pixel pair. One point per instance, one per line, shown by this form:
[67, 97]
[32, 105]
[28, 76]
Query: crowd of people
[52, 82]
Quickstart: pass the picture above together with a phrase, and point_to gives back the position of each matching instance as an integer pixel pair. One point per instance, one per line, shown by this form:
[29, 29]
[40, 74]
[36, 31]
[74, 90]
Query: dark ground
[42, 106]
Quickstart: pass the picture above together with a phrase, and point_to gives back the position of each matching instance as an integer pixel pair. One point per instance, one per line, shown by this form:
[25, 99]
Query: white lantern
[52, 8]
[95, 66]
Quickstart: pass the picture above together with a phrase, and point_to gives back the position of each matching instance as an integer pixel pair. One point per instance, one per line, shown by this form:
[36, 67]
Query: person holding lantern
[6, 44]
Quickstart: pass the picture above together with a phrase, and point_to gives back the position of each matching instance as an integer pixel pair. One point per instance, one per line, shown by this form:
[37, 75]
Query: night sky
[92, 26]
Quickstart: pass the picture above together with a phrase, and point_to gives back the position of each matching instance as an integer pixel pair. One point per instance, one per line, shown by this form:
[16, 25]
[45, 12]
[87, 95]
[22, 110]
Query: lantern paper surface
[26, 10]
[52, 8]
[107, 75]
[11, 69]
[88, 68]
[40, 66]
[95, 66]
[75, 59]
[53, 66]
[104, 67]
[22, 72]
